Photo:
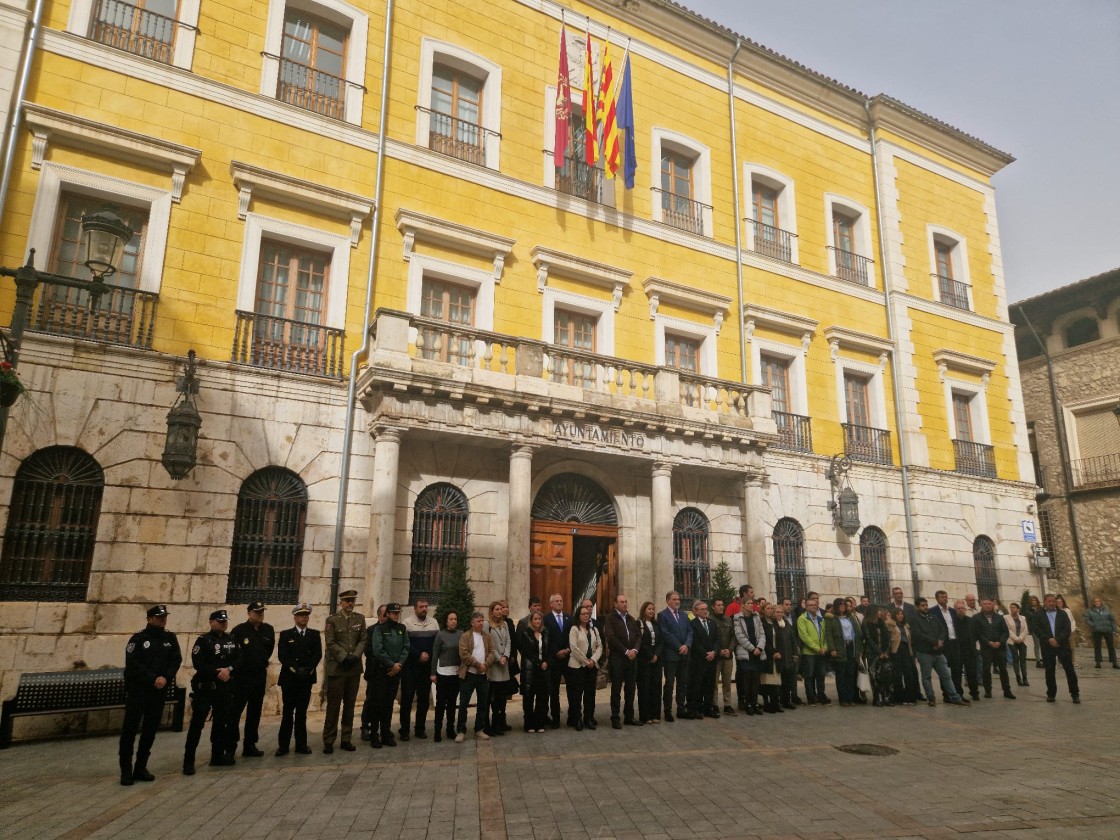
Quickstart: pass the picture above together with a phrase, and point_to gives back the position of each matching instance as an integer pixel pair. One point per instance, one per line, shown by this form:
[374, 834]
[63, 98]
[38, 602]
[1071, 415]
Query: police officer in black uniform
[215, 657]
[300, 651]
[151, 660]
[256, 641]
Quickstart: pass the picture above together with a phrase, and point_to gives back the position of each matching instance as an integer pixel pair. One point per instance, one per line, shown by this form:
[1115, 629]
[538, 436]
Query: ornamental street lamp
[845, 502]
[105, 234]
[180, 452]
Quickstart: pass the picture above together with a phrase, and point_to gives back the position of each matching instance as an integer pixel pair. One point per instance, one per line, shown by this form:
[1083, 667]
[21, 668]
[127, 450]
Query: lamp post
[845, 503]
[105, 235]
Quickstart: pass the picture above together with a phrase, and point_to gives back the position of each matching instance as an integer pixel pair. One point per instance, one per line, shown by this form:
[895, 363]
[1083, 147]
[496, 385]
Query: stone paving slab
[1021, 769]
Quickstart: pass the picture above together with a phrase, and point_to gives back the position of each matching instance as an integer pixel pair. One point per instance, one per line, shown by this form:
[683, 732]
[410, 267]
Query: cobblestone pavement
[1001, 769]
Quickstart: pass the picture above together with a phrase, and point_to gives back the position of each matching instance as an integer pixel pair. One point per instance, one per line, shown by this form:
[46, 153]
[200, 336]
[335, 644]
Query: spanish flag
[605, 107]
[591, 138]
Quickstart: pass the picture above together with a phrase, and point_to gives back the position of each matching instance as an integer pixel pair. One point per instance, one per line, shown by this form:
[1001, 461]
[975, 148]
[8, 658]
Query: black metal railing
[311, 89]
[868, 444]
[122, 25]
[457, 138]
[772, 242]
[123, 316]
[576, 178]
[682, 212]
[975, 458]
[1098, 471]
[852, 267]
[953, 292]
[795, 431]
[283, 344]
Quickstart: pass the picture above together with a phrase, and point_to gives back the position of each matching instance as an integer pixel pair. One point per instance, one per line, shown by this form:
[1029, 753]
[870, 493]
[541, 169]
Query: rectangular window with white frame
[459, 111]
[581, 328]
[863, 413]
[949, 259]
[684, 194]
[159, 30]
[849, 244]
[772, 220]
[781, 368]
[690, 348]
[966, 404]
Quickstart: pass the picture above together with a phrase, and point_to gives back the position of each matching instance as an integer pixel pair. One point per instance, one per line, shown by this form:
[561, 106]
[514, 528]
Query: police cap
[158, 611]
[219, 615]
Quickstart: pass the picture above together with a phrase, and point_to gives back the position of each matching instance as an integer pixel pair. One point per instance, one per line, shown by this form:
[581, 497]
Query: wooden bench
[59, 692]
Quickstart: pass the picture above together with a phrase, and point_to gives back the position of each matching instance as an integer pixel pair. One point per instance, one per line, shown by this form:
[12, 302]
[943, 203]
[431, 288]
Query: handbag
[863, 680]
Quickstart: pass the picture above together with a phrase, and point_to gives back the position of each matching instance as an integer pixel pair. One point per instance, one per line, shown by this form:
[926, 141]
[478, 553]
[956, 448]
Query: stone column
[382, 517]
[661, 530]
[520, 525]
[754, 536]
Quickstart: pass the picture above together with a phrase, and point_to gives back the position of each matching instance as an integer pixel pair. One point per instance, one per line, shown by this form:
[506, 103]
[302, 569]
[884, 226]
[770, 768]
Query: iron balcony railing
[1098, 471]
[852, 267]
[953, 292]
[772, 242]
[120, 24]
[457, 138]
[682, 212]
[311, 89]
[868, 444]
[576, 178]
[795, 432]
[975, 458]
[123, 316]
[283, 344]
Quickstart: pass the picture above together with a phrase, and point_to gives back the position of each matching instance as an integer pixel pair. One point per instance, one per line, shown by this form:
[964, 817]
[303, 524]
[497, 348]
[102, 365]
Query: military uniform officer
[215, 657]
[387, 650]
[345, 637]
[300, 652]
[256, 641]
[151, 660]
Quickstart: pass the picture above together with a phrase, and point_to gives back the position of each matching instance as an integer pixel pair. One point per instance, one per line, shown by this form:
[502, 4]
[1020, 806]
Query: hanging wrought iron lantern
[845, 502]
[180, 451]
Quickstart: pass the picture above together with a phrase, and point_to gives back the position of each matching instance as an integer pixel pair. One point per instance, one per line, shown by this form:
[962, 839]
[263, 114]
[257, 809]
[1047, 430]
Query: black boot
[188, 764]
[126, 772]
[140, 771]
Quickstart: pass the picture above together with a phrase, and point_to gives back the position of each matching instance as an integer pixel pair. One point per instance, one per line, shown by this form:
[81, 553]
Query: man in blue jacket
[676, 632]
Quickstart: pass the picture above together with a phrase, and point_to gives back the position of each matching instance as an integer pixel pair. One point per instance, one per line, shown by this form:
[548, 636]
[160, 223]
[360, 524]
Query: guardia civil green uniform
[387, 649]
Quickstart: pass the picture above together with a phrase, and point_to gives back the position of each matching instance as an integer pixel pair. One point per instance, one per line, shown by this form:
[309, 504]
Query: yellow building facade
[572, 385]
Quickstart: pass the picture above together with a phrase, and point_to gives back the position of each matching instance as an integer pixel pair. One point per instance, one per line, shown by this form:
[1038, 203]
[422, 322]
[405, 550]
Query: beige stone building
[1069, 361]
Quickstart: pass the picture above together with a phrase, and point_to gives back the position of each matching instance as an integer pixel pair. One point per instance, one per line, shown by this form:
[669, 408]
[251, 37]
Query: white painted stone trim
[548, 261]
[933, 307]
[820, 281]
[917, 447]
[298, 193]
[602, 310]
[958, 259]
[81, 18]
[794, 355]
[548, 177]
[977, 407]
[47, 124]
[936, 168]
[787, 204]
[54, 178]
[701, 174]
[1017, 412]
[705, 335]
[431, 51]
[357, 39]
[838, 336]
[417, 226]
[677, 294]
[258, 227]
[861, 231]
[875, 392]
[775, 319]
[891, 218]
[953, 359]
[421, 266]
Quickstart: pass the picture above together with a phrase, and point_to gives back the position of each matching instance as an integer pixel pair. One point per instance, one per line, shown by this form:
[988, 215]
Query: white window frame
[549, 178]
[794, 355]
[977, 394]
[701, 175]
[258, 227]
[601, 310]
[1070, 413]
[877, 407]
[705, 335]
[480, 280]
[80, 21]
[339, 13]
[787, 203]
[54, 179]
[958, 259]
[861, 231]
[473, 64]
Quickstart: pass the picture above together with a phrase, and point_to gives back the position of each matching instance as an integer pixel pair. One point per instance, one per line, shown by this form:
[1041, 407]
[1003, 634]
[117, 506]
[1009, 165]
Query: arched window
[984, 559]
[692, 567]
[439, 535]
[268, 538]
[52, 526]
[789, 560]
[876, 569]
[1082, 331]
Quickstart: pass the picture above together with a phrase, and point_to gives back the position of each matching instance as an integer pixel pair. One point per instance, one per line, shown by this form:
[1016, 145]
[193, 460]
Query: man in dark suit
[300, 651]
[676, 631]
[990, 631]
[958, 641]
[1052, 627]
[623, 635]
[558, 623]
[703, 666]
[966, 642]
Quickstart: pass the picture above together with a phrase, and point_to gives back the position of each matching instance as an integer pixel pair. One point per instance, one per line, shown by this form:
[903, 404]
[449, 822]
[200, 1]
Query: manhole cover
[867, 749]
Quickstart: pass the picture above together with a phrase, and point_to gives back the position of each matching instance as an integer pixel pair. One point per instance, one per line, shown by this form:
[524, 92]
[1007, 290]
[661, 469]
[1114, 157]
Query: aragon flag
[605, 112]
[591, 136]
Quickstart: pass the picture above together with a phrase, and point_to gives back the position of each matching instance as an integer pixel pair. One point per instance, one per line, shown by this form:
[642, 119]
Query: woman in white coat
[583, 669]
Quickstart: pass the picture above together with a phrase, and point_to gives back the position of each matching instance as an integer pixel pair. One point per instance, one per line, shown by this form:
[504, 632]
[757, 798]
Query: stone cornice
[47, 124]
[952, 359]
[787, 322]
[251, 180]
[584, 270]
[839, 337]
[686, 297]
[414, 226]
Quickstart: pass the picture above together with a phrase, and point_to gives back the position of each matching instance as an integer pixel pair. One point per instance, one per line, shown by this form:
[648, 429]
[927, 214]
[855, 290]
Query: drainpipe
[738, 232]
[371, 272]
[1063, 451]
[31, 41]
[896, 387]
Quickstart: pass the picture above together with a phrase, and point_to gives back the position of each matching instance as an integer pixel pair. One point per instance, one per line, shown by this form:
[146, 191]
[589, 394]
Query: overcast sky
[1039, 80]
